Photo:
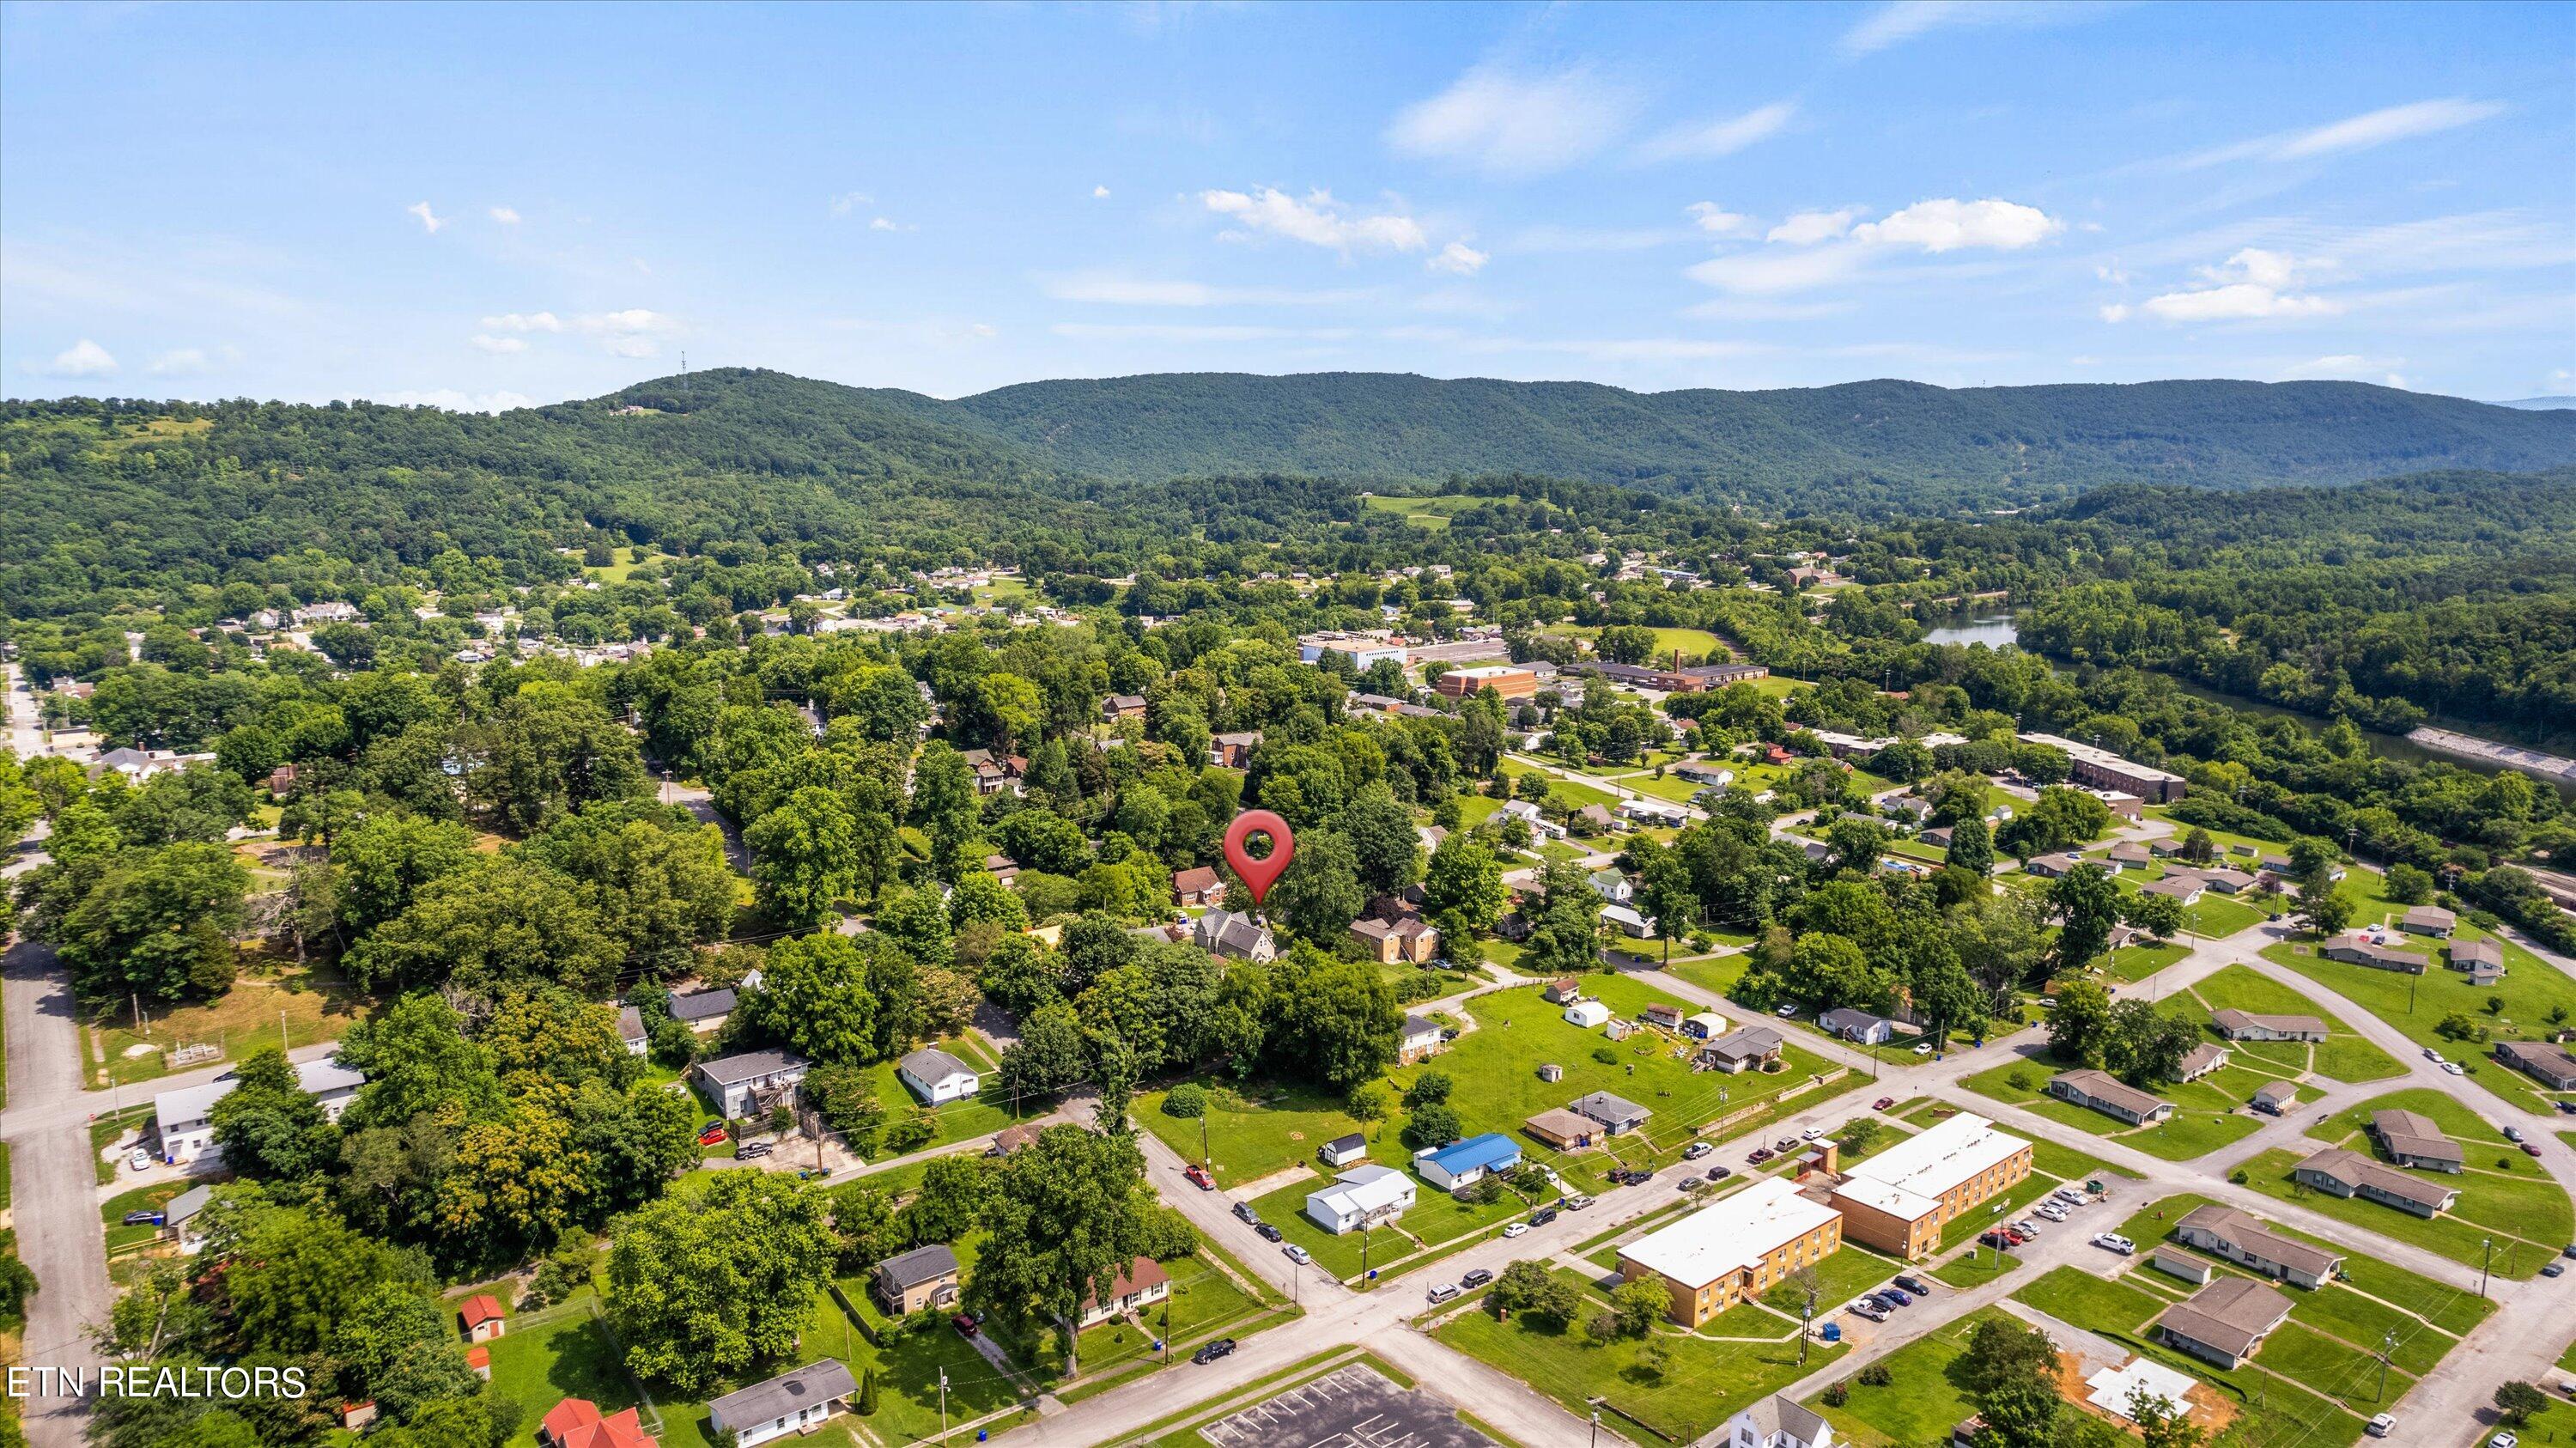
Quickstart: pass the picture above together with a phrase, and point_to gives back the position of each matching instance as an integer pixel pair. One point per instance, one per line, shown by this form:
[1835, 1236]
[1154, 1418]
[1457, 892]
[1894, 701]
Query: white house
[1540, 825]
[1143, 1284]
[182, 1117]
[937, 1077]
[1465, 1163]
[1360, 1196]
[1628, 922]
[1587, 1014]
[791, 1403]
[742, 1084]
[1776, 1422]
[1613, 887]
[1653, 812]
[1421, 1038]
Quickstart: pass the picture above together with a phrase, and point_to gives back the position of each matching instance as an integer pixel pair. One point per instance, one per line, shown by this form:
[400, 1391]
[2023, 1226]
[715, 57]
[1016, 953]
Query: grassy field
[1249, 1137]
[2342, 1056]
[301, 1005]
[628, 560]
[151, 1197]
[2070, 1294]
[1433, 513]
[1204, 1302]
[2205, 1114]
[1920, 1401]
[2449, 1309]
[565, 1352]
[1702, 1383]
[2460, 1234]
[1976, 1269]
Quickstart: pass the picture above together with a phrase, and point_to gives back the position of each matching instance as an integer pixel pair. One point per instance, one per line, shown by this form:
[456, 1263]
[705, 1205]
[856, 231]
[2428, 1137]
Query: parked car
[1265, 1231]
[1449, 1033]
[1882, 1103]
[1897, 1295]
[2046, 1212]
[965, 1324]
[1923, 1048]
[1870, 1310]
[1696, 1150]
[1811, 1133]
[2531, 1148]
[138, 1160]
[2513, 1134]
[1445, 1292]
[1720, 1173]
[2503, 1440]
[2381, 1426]
[145, 1219]
[1210, 1352]
[2452, 1068]
[1578, 1201]
[2026, 1227]
[1539, 1218]
[1914, 1284]
[1785, 1011]
[2568, 1106]
[2114, 1242]
[1760, 1155]
[1243, 1212]
[2017, 1234]
[1296, 1254]
[1786, 1143]
[1199, 1177]
[2554, 1269]
[1475, 1279]
[1516, 1229]
[1999, 1240]
[712, 1135]
[752, 1150]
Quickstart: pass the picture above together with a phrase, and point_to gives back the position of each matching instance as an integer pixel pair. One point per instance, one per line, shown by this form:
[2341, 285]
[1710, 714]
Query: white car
[2049, 1212]
[1786, 1012]
[138, 1160]
[2114, 1242]
[2027, 1227]
[2502, 1440]
[1923, 1048]
[2432, 1055]
[1517, 1229]
[2381, 1426]
[1811, 1133]
[1297, 1254]
[2069, 1195]
[2452, 1068]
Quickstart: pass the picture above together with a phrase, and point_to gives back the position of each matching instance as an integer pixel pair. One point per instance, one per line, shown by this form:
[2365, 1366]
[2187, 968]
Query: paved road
[50, 1169]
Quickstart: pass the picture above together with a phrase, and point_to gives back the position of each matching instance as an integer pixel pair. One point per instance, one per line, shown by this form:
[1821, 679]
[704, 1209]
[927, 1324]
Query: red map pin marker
[1258, 874]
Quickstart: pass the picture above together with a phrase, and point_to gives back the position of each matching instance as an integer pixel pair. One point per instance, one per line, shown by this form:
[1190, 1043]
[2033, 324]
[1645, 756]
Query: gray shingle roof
[816, 1383]
[750, 1066]
[921, 1264]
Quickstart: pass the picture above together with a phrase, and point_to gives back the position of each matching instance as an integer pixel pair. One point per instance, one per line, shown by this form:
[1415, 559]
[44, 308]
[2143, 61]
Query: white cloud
[1458, 259]
[1552, 238]
[184, 362]
[2251, 285]
[1949, 224]
[881, 223]
[499, 346]
[1141, 292]
[430, 221]
[83, 358]
[1809, 227]
[2355, 133]
[1716, 220]
[849, 201]
[507, 216]
[633, 347]
[523, 322]
[1903, 20]
[632, 320]
[1766, 273]
[1762, 309]
[1099, 193]
[454, 401]
[1318, 220]
[1723, 137]
[1514, 123]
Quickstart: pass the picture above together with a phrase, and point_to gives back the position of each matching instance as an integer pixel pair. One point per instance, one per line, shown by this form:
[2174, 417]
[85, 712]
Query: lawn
[1703, 1383]
[2204, 1116]
[2342, 1056]
[2072, 1295]
[317, 1005]
[565, 1352]
[1253, 1135]
[2134, 963]
[1919, 1402]
[1966, 1226]
[113, 1212]
[1840, 1277]
[1977, 1268]
[1433, 512]
[1204, 1301]
[956, 1121]
[2337, 1369]
[2448, 1308]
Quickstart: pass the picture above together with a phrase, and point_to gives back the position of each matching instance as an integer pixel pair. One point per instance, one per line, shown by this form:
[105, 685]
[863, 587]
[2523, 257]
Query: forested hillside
[1866, 447]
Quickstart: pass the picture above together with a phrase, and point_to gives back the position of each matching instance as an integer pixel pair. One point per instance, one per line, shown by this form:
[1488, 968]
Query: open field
[2342, 1056]
[297, 1005]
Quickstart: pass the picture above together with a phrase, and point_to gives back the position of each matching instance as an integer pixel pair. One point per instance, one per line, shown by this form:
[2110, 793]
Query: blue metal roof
[1488, 1151]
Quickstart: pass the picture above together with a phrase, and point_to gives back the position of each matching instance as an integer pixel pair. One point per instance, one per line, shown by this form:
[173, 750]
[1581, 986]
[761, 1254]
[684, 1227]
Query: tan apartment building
[1899, 1200]
[1735, 1250]
[1503, 679]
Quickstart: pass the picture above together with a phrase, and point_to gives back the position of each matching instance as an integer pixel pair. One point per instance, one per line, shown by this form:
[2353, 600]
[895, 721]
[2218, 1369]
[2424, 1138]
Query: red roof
[478, 1356]
[1191, 882]
[1141, 1274]
[576, 1423]
[480, 1309]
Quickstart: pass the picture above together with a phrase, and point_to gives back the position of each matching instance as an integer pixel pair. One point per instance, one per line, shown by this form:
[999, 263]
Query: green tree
[2158, 916]
[2322, 908]
[1971, 848]
[2079, 1029]
[496, 921]
[1068, 1214]
[944, 804]
[1320, 894]
[156, 922]
[1340, 1024]
[1386, 853]
[2089, 905]
[705, 1289]
[269, 1126]
[1368, 1104]
[1668, 896]
[1463, 891]
[1430, 1126]
[384, 861]
[804, 857]
[547, 750]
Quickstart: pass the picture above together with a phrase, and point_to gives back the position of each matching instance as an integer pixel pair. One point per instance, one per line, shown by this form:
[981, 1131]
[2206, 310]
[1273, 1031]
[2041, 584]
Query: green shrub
[1187, 1101]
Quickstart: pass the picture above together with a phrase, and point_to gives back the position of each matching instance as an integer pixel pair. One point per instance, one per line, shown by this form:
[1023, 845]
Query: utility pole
[943, 1405]
[1806, 1321]
[2387, 1340]
[2489, 1244]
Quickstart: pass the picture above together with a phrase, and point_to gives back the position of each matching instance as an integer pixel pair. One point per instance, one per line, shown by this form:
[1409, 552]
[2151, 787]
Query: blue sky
[486, 205]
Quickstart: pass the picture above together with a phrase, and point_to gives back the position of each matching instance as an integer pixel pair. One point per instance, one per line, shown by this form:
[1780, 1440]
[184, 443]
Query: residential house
[1776, 1422]
[178, 1216]
[2226, 881]
[1201, 886]
[1656, 812]
[1465, 1163]
[703, 1011]
[1003, 869]
[1562, 1130]
[1900, 1200]
[1596, 819]
[937, 1077]
[1746, 1048]
[750, 1082]
[2238, 1025]
[995, 773]
[2182, 886]
[2354, 948]
[578, 1423]
[183, 1119]
[1405, 939]
[1420, 1041]
[1705, 1026]
[1733, 1251]
[2225, 1323]
[1012, 1138]
[2275, 1097]
[1363, 1196]
[1662, 1016]
[915, 1281]
[1562, 991]
[2545, 1062]
[1615, 1113]
[1528, 814]
[1233, 751]
[481, 1318]
[1704, 772]
[2050, 867]
[630, 1029]
[796, 1402]
[2430, 920]
[2199, 1061]
[1628, 922]
[1234, 935]
[2103, 1092]
[1122, 706]
[2129, 855]
[2413, 1139]
[1341, 1151]
[1857, 1026]
[1613, 887]
[2242, 1239]
[1143, 1284]
[2482, 959]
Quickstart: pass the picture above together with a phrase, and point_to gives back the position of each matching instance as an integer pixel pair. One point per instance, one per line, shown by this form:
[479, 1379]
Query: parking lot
[1351, 1408]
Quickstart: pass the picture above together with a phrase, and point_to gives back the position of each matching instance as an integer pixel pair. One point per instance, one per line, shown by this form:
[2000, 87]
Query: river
[1994, 630]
